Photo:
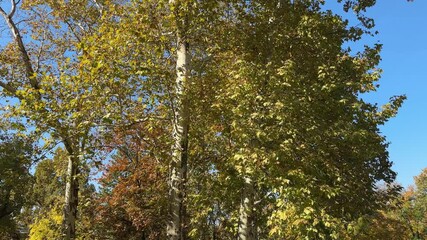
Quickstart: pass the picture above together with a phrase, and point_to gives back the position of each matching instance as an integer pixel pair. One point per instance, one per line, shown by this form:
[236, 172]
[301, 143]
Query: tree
[157, 69]
[414, 210]
[297, 121]
[15, 182]
[382, 226]
[40, 69]
[133, 202]
[178, 175]
[48, 202]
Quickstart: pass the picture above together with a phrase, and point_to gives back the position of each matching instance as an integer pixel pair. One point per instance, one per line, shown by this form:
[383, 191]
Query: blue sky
[403, 32]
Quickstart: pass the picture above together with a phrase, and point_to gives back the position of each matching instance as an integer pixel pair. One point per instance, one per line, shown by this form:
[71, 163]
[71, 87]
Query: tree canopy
[205, 119]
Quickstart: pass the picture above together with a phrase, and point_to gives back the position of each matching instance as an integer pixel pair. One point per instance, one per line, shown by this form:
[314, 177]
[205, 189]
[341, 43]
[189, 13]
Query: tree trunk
[178, 168]
[71, 199]
[246, 231]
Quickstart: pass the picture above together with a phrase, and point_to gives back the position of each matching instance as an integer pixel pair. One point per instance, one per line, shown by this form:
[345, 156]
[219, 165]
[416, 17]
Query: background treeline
[204, 120]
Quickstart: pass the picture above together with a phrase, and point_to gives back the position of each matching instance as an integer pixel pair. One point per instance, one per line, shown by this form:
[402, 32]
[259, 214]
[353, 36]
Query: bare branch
[73, 30]
[13, 8]
[2, 12]
[39, 54]
[81, 27]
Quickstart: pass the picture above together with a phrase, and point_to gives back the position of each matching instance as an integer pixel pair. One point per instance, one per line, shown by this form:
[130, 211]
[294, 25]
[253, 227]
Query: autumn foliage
[133, 194]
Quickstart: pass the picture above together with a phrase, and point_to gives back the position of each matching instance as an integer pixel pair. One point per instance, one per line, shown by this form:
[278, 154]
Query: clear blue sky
[403, 32]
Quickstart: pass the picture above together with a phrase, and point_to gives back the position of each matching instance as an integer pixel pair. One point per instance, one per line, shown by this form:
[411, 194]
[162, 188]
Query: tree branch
[8, 88]
[13, 8]
[73, 30]
[29, 71]
[98, 6]
[2, 12]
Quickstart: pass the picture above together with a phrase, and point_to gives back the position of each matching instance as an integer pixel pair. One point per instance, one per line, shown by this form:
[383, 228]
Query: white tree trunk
[246, 230]
[178, 168]
[71, 199]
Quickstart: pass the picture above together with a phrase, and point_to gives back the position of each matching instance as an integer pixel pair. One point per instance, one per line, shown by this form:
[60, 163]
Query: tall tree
[297, 121]
[155, 71]
[178, 170]
[41, 70]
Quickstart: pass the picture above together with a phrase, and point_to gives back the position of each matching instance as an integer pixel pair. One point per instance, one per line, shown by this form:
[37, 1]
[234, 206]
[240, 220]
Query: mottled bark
[71, 199]
[178, 168]
[246, 227]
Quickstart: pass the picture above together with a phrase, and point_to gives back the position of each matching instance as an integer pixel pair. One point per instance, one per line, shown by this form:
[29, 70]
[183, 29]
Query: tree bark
[178, 168]
[246, 231]
[71, 199]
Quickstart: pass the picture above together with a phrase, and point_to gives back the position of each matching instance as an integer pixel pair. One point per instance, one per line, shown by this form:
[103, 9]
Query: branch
[13, 9]
[8, 88]
[98, 6]
[2, 12]
[29, 71]
[39, 55]
[73, 30]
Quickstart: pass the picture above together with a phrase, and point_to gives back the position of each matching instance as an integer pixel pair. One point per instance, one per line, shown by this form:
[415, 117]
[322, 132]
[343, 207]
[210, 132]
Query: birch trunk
[246, 231]
[71, 199]
[178, 171]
